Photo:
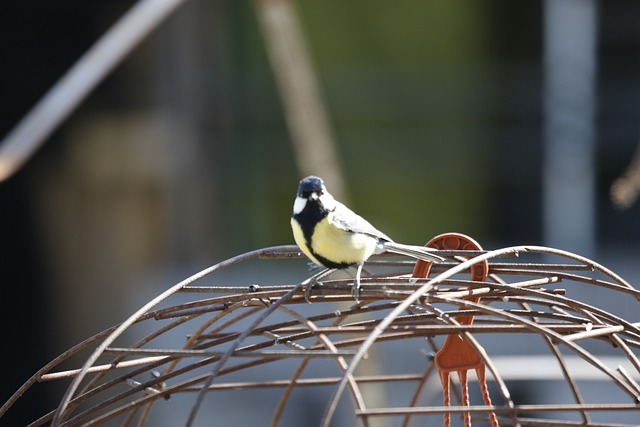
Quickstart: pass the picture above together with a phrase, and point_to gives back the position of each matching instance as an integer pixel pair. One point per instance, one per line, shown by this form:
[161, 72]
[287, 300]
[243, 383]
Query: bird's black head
[313, 198]
[311, 185]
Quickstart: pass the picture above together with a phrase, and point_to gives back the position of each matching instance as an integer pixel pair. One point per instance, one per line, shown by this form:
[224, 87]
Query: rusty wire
[233, 329]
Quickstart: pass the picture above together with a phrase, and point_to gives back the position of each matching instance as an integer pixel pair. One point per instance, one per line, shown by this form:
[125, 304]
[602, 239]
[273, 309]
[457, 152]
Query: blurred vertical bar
[74, 86]
[305, 112]
[570, 32]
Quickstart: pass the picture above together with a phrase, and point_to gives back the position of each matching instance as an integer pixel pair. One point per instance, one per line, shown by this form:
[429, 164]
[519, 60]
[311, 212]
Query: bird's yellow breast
[334, 244]
[298, 236]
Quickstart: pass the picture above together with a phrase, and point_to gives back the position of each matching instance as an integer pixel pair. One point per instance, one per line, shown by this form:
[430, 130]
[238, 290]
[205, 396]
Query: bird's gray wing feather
[419, 252]
[351, 222]
[346, 219]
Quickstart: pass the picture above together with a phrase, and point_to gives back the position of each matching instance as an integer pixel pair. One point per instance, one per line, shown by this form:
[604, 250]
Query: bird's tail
[419, 252]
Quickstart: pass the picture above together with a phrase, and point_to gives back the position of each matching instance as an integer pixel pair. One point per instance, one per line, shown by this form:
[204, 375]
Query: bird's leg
[311, 281]
[355, 290]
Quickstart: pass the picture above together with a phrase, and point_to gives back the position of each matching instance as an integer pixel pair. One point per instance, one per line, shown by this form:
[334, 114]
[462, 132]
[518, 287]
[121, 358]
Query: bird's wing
[347, 220]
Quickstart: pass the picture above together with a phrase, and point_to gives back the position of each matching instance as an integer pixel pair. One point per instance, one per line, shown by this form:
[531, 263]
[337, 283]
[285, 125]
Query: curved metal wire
[237, 329]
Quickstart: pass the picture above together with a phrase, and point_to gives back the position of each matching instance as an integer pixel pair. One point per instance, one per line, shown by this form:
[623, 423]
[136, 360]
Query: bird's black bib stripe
[330, 264]
[308, 218]
[311, 215]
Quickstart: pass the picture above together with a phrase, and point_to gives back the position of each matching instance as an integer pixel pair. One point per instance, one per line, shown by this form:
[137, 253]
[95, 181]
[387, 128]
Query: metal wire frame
[231, 330]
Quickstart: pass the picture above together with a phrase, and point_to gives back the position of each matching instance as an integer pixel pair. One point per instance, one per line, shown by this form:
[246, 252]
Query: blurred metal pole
[625, 190]
[569, 138]
[305, 112]
[76, 84]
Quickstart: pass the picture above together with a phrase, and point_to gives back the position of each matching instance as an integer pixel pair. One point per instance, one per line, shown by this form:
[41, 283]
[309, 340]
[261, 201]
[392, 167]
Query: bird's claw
[308, 289]
[355, 291]
[312, 281]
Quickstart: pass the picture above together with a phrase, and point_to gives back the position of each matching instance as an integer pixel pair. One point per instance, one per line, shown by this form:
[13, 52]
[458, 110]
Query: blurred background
[507, 121]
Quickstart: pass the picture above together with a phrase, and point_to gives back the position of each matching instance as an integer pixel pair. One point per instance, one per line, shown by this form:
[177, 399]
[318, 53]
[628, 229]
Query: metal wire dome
[381, 361]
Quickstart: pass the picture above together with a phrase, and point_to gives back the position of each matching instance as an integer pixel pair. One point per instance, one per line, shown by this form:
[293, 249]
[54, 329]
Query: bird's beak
[314, 196]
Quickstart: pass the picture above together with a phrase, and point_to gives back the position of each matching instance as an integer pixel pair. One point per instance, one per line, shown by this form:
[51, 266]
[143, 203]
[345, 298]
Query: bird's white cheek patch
[328, 201]
[299, 204]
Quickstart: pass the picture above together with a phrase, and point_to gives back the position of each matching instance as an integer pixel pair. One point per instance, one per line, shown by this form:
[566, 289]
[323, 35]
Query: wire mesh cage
[443, 344]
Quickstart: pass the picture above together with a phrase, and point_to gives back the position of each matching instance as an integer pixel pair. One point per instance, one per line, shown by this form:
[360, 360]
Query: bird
[335, 237]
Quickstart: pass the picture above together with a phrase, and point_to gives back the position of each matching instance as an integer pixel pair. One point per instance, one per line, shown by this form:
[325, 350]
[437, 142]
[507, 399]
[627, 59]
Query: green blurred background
[182, 157]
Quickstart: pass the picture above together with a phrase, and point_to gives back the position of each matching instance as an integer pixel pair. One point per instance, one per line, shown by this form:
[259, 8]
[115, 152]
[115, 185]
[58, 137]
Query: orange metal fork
[457, 354]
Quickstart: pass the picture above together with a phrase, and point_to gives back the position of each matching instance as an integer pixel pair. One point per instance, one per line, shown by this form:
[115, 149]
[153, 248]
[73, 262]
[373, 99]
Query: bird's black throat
[311, 215]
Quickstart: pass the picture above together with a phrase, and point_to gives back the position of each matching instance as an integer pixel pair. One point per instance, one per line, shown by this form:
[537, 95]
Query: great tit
[335, 237]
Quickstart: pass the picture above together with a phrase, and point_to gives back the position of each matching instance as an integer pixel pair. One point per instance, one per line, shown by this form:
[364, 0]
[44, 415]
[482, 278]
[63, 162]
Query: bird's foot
[355, 290]
[312, 281]
[308, 288]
